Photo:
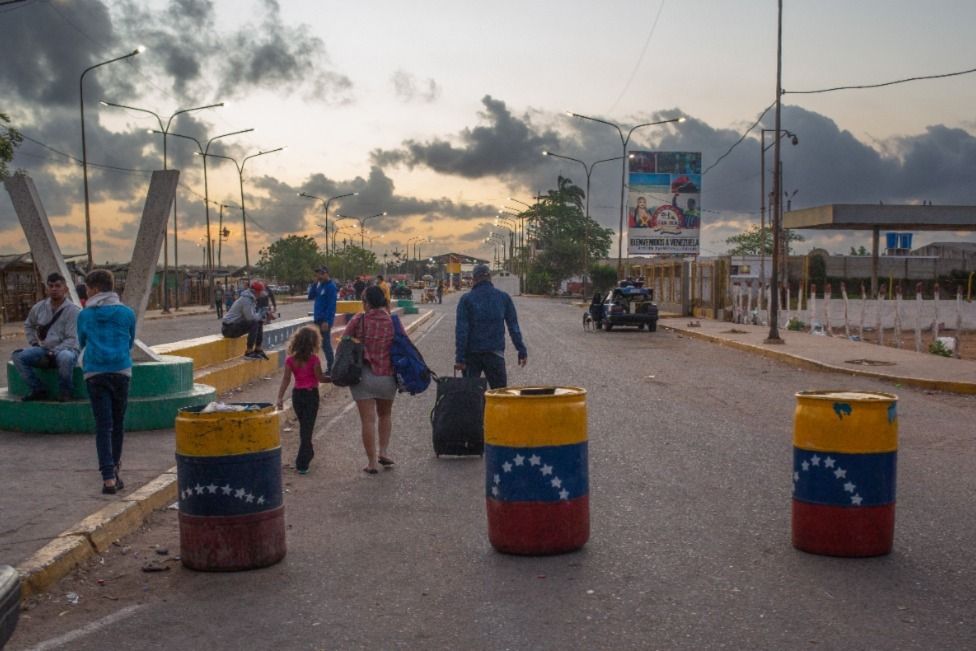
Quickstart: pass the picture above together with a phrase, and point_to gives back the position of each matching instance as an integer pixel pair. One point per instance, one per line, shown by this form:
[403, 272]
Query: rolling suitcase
[457, 418]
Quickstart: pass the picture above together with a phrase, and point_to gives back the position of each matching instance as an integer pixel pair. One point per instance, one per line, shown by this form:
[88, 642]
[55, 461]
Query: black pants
[491, 364]
[109, 395]
[253, 329]
[219, 304]
[306, 405]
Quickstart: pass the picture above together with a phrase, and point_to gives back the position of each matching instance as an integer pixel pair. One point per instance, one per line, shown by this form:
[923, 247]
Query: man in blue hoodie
[479, 331]
[106, 333]
[324, 292]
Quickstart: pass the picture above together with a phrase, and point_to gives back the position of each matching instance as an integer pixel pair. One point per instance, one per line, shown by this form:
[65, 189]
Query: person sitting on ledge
[243, 318]
[52, 333]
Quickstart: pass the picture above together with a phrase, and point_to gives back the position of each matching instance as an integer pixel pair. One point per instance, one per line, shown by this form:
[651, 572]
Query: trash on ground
[72, 598]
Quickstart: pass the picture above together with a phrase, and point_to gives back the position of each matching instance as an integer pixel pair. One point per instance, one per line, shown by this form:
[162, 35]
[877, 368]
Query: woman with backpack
[377, 386]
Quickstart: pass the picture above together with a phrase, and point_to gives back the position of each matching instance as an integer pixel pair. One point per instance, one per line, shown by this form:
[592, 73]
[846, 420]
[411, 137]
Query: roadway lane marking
[87, 629]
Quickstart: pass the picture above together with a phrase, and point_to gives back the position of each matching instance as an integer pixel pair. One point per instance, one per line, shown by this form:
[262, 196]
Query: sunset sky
[436, 112]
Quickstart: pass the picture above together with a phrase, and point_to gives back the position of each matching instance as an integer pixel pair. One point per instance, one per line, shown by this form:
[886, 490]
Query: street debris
[72, 598]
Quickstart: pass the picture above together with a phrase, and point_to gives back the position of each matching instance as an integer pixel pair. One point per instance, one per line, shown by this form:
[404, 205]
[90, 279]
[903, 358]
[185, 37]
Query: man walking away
[219, 299]
[386, 288]
[479, 333]
[324, 292]
[51, 330]
[358, 287]
[106, 332]
[243, 319]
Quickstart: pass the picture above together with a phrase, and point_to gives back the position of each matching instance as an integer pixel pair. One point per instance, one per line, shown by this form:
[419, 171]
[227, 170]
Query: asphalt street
[690, 464]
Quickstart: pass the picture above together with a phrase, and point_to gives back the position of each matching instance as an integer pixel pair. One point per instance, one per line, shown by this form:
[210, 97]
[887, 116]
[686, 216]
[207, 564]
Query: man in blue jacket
[479, 332]
[106, 332]
[325, 293]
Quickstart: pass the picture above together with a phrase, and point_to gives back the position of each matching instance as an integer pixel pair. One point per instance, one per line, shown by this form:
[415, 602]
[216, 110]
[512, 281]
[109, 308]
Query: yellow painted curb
[51, 562]
[238, 372]
[968, 388]
[108, 524]
[205, 351]
[157, 494]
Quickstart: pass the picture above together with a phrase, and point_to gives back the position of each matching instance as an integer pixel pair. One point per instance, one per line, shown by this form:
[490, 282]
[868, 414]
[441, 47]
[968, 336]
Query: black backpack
[347, 368]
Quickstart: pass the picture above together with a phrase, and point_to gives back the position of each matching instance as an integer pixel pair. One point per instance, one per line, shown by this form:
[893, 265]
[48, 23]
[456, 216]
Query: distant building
[965, 251]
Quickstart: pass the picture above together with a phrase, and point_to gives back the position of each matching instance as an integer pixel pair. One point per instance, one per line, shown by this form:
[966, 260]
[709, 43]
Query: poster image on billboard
[664, 203]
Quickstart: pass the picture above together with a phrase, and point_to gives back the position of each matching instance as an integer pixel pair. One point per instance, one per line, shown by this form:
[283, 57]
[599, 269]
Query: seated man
[51, 331]
[243, 318]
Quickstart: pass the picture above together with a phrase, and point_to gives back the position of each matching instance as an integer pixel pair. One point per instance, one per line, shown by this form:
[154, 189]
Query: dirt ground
[967, 339]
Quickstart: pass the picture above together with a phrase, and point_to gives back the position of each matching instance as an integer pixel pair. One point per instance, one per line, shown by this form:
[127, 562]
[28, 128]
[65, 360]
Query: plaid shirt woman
[375, 328]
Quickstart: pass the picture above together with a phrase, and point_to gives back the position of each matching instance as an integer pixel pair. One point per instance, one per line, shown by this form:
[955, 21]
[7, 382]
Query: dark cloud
[408, 88]
[504, 146]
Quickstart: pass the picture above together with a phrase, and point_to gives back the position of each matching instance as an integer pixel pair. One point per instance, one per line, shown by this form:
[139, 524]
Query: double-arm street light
[221, 235]
[84, 147]
[362, 225]
[203, 152]
[240, 175]
[164, 130]
[624, 140]
[327, 202]
[586, 236]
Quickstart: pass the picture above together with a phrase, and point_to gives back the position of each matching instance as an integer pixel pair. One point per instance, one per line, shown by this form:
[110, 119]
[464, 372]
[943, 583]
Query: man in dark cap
[479, 332]
[325, 293]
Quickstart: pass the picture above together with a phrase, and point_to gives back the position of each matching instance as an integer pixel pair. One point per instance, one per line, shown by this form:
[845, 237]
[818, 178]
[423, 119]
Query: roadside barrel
[228, 468]
[536, 469]
[845, 451]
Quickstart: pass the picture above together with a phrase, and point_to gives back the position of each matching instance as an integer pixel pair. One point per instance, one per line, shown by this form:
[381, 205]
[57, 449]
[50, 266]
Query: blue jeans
[28, 359]
[492, 364]
[327, 347]
[109, 395]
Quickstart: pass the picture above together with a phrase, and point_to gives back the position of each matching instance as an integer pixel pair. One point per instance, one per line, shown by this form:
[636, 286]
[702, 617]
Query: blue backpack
[409, 367]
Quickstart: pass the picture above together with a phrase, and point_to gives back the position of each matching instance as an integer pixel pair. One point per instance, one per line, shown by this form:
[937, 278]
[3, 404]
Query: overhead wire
[640, 59]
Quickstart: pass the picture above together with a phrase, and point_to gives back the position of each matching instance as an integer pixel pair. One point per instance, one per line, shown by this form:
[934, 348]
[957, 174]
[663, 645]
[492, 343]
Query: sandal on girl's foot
[371, 471]
[109, 490]
[303, 471]
[387, 462]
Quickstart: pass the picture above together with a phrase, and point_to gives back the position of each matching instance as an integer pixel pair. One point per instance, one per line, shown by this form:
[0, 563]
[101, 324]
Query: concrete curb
[967, 388]
[95, 533]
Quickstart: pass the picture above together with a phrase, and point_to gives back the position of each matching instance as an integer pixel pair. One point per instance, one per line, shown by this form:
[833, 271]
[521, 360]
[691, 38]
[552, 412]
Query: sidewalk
[837, 354]
[50, 483]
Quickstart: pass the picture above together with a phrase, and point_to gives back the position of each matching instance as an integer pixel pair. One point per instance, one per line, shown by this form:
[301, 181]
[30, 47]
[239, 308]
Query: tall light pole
[164, 129]
[240, 174]
[623, 173]
[362, 225]
[512, 227]
[327, 202]
[220, 234]
[762, 197]
[203, 152]
[774, 337]
[84, 146]
[586, 236]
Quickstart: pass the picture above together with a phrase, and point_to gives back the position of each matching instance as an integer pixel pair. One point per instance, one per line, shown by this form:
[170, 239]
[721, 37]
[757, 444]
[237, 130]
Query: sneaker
[251, 355]
[36, 394]
[259, 354]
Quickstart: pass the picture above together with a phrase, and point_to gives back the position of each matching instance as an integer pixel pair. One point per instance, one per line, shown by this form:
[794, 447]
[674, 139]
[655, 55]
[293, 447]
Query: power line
[881, 85]
[640, 59]
[741, 138]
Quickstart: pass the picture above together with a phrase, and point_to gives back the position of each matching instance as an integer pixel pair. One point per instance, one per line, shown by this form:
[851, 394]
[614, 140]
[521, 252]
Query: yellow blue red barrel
[537, 469]
[845, 454]
[228, 467]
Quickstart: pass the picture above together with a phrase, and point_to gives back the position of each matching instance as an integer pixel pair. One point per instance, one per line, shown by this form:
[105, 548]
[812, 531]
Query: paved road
[690, 463]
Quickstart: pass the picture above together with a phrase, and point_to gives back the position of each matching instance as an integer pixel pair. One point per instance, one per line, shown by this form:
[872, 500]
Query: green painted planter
[172, 375]
[404, 302]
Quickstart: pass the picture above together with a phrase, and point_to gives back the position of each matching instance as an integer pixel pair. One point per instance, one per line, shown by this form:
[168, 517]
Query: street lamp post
[762, 195]
[84, 146]
[623, 173]
[362, 225]
[203, 152]
[165, 131]
[327, 202]
[240, 175]
[512, 227]
[586, 237]
[774, 337]
[220, 234]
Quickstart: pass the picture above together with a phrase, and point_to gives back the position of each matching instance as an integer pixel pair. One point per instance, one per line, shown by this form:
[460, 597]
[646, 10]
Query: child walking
[303, 363]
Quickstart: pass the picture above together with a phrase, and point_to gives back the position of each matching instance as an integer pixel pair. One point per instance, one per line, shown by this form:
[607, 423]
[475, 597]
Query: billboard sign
[664, 202]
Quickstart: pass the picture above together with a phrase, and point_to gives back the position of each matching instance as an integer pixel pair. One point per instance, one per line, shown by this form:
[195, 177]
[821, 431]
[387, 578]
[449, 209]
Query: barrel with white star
[228, 468]
[537, 469]
[845, 453]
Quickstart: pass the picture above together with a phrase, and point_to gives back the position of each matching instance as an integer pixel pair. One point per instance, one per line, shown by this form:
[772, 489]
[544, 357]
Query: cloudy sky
[437, 111]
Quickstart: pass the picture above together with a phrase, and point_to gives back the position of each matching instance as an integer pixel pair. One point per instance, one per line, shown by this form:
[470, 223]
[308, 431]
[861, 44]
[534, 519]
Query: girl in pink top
[303, 363]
